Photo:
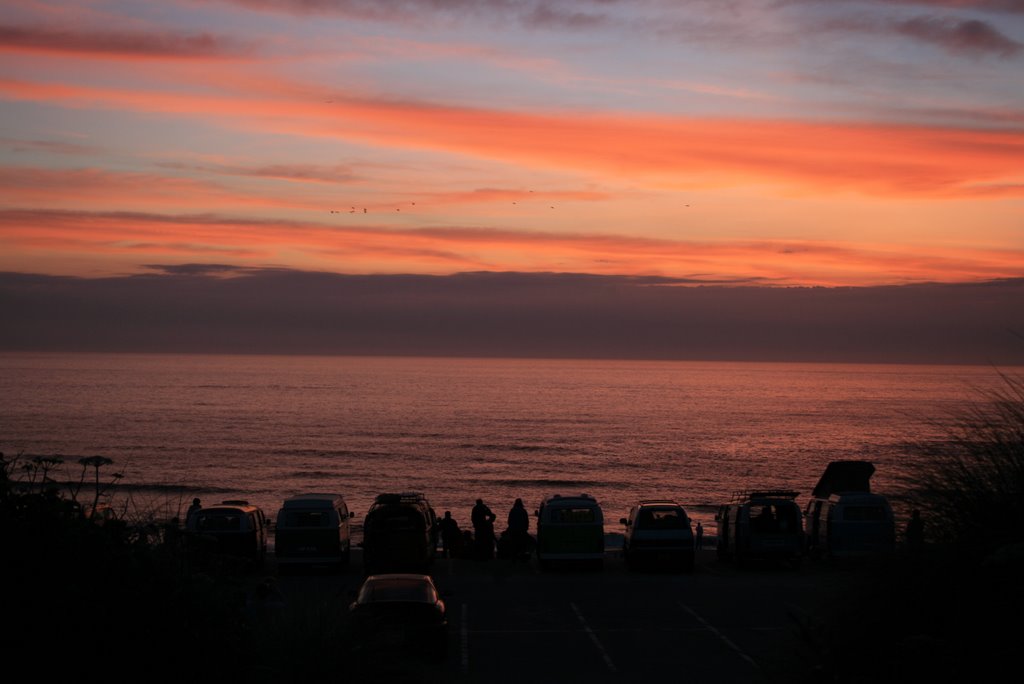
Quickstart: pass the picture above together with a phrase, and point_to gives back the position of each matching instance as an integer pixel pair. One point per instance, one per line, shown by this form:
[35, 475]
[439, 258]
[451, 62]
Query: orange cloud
[363, 249]
[877, 159]
[99, 188]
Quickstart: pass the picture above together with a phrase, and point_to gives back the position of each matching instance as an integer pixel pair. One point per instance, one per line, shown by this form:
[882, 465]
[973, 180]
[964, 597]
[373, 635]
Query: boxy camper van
[761, 524]
[399, 534]
[313, 529]
[844, 518]
[570, 529]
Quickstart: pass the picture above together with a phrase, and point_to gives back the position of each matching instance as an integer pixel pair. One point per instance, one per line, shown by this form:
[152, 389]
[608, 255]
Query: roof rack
[400, 498]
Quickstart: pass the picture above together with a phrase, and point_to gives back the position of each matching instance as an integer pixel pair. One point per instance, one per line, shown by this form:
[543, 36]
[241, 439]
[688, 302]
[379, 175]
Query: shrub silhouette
[938, 614]
[112, 598]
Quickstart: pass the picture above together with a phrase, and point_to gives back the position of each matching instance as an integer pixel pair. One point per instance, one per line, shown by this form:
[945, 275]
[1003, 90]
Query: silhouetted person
[451, 536]
[194, 508]
[915, 531]
[518, 529]
[699, 542]
[518, 518]
[483, 529]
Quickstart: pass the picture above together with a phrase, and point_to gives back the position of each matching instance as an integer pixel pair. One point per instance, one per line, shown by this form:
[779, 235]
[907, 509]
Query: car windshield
[397, 589]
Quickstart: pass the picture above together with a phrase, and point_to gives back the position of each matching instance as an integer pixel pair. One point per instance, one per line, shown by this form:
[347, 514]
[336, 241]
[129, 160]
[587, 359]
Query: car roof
[312, 500]
[399, 576]
[228, 507]
[397, 588]
[570, 500]
[659, 502]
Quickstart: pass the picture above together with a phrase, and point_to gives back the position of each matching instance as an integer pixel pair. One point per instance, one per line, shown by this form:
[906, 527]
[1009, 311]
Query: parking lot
[512, 622]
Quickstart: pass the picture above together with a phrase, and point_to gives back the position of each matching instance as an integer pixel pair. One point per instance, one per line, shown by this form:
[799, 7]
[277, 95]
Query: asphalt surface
[511, 622]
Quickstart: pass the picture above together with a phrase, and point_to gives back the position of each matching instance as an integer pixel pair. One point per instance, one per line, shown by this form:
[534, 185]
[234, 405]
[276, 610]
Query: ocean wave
[530, 448]
[549, 482]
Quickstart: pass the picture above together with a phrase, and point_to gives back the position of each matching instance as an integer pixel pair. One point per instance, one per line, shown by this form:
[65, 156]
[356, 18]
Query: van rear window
[572, 515]
[307, 519]
[219, 522]
[396, 520]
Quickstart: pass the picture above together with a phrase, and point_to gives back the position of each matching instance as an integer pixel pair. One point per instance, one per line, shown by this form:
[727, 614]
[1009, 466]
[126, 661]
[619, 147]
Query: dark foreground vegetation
[88, 594]
[949, 609]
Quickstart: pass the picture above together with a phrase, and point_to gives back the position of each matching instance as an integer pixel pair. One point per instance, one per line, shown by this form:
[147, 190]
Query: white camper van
[844, 518]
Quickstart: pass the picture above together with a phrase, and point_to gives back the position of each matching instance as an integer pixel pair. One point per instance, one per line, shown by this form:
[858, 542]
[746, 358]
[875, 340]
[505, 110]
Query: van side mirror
[536, 513]
[623, 521]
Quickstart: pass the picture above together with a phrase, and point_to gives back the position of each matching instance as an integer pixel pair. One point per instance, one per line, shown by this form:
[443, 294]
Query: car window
[308, 519]
[219, 522]
[572, 515]
[397, 519]
[662, 519]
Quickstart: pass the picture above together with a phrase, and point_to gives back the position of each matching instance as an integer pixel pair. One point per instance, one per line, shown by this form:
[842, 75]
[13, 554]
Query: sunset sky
[786, 142]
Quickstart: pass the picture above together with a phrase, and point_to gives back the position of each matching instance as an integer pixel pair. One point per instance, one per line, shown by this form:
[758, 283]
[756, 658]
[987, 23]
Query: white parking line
[464, 639]
[593, 638]
[726, 640]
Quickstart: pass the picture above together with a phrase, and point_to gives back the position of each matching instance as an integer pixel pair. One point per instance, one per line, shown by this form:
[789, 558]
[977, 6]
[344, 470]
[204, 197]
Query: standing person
[518, 528]
[914, 533]
[483, 529]
[450, 535]
[699, 544]
[193, 509]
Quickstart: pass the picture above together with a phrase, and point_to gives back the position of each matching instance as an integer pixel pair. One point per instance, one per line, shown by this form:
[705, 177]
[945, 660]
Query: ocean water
[266, 427]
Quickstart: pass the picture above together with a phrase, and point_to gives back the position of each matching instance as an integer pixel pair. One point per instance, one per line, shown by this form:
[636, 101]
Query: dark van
[761, 524]
[313, 529]
[236, 528]
[844, 517]
[399, 534]
[570, 529]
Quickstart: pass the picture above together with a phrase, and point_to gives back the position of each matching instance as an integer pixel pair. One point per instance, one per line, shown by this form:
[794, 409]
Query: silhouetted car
[763, 525]
[235, 528]
[399, 534]
[844, 518]
[570, 529]
[313, 529]
[398, 613]
[658, 533]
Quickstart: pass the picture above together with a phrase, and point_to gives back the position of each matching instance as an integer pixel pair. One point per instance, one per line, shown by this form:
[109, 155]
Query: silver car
[658, 535]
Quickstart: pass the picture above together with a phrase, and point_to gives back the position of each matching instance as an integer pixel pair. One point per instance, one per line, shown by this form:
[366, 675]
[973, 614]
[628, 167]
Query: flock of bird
[353, 210]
